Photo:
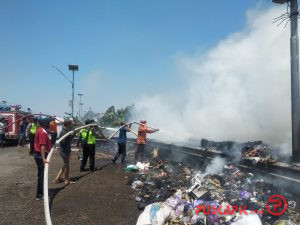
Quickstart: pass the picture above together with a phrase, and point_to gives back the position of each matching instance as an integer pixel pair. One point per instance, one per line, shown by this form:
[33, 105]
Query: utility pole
[73, 68]
[295, 80]
[295, 93]
[79, 110]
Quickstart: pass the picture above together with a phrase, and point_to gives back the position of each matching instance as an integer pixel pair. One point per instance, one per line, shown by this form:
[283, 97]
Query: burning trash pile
[258, 154]
[174, 194]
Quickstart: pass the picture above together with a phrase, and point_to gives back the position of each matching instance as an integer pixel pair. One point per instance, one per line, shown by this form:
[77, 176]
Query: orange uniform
[142, 134]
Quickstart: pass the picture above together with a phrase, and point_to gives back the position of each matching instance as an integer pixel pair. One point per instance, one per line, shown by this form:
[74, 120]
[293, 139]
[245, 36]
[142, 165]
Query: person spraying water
[122, 142]
[142, 140]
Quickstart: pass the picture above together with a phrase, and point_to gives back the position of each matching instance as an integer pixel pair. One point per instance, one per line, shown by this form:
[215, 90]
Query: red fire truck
[12, 120]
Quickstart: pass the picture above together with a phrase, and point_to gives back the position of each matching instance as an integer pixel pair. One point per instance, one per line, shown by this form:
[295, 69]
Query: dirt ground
[100, 197]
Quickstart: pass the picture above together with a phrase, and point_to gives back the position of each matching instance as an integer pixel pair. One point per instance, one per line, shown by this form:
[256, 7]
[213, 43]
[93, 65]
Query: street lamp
[73, 68]
[295, 95]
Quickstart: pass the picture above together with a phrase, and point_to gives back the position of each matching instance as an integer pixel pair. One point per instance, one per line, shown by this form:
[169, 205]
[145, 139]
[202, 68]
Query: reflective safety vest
[91, 138]
[33, 128]
[83, 133]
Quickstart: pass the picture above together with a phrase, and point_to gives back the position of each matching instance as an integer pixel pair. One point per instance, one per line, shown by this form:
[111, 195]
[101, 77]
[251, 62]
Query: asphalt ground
[99, 197]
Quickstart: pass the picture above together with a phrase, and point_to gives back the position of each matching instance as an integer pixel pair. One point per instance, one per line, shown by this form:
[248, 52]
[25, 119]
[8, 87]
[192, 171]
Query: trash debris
[143, 167]
[156, 214]
[138, 199]
[131, 168]
[245, 195]
[155, 153]
[243, 219]
[181, 189]
[137, 184]
[284, 222]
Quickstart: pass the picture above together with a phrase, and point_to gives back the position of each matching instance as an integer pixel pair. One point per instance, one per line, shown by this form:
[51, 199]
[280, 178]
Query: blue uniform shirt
[122, 136]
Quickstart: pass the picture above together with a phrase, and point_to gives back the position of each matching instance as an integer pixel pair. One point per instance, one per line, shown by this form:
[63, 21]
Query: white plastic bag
[243, 219]
[155, 214]
[137, 184]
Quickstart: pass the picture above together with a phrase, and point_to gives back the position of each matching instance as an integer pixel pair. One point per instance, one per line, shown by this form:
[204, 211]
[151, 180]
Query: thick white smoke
[215, 166]
[239, 90]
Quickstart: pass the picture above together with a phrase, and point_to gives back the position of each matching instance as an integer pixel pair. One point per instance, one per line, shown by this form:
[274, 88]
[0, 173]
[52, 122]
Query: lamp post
[80, 104]
[295, 93]
[73, 68]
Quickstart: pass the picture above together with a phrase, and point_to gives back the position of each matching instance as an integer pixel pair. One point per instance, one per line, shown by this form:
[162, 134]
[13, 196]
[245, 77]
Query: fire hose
[46, 197]
[134, 122]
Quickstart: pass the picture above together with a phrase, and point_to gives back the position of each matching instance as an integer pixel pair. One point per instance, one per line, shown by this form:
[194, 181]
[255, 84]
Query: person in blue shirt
[122, 143]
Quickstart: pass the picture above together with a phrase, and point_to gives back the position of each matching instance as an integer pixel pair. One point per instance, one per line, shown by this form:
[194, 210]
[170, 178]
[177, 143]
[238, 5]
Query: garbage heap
[258, 154]
[172, 193]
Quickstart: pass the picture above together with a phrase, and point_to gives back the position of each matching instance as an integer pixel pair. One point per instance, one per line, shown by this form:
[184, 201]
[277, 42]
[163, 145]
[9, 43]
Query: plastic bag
[155, 214]
[243, 219]
[137, 184]
[132, 168]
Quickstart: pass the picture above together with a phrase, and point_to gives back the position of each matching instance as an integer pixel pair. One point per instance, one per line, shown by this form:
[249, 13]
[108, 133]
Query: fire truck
[12, 116]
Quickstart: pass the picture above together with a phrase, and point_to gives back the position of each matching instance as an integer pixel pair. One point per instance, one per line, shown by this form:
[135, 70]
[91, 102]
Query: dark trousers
[31, 142]
[22, 139]
[2, 137]
[88, 152]
[140, 153]
[53, 138]
[40, 176]
[122, 152]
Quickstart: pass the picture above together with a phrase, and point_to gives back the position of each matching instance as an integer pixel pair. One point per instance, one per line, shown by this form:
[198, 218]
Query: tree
[113, 118]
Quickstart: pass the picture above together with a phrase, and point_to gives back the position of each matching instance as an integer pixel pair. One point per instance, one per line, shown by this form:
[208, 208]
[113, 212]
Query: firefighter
[30, 132]
[141, 141]
[88, 141]
[122, 143]
[42, 146]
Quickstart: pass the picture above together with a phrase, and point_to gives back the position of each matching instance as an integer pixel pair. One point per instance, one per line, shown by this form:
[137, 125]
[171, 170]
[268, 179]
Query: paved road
[101, 197]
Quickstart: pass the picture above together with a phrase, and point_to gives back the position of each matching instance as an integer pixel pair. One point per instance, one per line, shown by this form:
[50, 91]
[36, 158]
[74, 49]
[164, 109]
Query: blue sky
[124, 49]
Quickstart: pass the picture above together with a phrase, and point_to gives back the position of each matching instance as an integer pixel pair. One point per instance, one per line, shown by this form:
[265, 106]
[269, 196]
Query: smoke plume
[215, 166]
[238, 90]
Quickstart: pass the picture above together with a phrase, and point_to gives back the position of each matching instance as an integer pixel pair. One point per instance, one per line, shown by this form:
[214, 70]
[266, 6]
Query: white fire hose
[131, 131]
[46, 197]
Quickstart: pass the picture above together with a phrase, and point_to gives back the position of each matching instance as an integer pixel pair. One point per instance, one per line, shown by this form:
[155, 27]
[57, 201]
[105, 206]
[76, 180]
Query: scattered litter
[181, 189]
[137, 184]
[284, 222]
[250, 219]
[155, 214]
[131, 168]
